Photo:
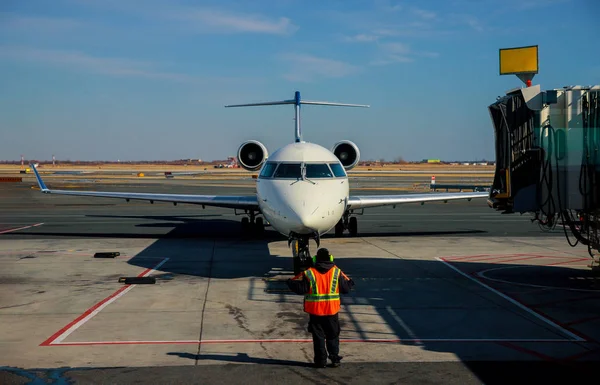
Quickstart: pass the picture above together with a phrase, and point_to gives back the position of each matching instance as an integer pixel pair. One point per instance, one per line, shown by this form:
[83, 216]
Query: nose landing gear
[301, 251]
[301, 255]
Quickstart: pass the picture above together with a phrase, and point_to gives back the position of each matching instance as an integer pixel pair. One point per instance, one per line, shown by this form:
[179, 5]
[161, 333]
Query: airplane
[302, 189]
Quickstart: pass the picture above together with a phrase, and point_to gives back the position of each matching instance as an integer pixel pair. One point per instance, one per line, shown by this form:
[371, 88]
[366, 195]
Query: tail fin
[297, 101]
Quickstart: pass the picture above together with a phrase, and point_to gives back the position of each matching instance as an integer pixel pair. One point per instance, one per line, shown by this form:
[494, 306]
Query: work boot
[320, 364]
[336, 361]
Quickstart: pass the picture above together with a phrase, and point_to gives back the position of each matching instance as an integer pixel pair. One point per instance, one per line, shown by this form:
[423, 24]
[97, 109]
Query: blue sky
[132, 80]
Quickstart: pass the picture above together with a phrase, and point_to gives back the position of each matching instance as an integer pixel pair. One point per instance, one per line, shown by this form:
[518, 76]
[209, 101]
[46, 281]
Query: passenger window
[318, 171]
[268, 170]
[338, 170]
[288, 170]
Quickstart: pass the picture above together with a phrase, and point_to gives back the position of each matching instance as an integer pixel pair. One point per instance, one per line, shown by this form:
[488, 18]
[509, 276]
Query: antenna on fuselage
[297, 102]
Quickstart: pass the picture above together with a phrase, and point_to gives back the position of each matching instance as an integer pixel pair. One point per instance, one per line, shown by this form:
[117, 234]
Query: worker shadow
[240, 358]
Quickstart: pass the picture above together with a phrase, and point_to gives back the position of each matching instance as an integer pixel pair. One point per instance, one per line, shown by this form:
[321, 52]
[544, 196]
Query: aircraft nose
[305, 214]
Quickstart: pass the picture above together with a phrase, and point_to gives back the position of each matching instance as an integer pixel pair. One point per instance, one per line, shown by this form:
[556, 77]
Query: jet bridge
[548, 158]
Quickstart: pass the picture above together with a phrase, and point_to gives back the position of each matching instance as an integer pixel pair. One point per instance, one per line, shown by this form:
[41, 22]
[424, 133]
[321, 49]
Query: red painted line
[528, 351]
[523, 258]
[559, 301]
[449, 259]
[572, 260]
[20, 228]
[582, 354]
[582, 320]
[89, 311]
[489, 257]
[49, 341]
[301, 340]
[537, 311]
[562, 325]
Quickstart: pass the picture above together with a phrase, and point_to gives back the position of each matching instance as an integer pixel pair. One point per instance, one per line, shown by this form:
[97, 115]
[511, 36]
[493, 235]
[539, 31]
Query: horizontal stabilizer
[297, 102]
[263, 104]
[281, 102]
[333, 104]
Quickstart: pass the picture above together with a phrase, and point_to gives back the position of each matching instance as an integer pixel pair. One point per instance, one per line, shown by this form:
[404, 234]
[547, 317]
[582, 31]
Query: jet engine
[252, 154]
[347, 152]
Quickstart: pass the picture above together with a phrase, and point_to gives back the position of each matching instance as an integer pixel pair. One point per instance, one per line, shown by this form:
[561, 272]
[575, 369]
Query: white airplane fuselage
[302, 205]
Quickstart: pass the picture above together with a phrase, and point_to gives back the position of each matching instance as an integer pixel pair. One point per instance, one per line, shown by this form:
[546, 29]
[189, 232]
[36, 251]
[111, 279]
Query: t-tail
[297, 101]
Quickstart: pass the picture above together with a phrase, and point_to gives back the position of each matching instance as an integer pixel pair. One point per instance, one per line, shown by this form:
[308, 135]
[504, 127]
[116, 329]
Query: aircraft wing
[227, 201]
[367, 201]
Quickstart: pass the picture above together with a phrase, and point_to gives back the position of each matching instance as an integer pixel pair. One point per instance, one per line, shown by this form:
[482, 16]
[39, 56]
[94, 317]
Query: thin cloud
[425, 14]
[391, 53]
[398, 52]
[361, 38]
[215, 20]
[94, 64]
[307, 68]
[202, 19]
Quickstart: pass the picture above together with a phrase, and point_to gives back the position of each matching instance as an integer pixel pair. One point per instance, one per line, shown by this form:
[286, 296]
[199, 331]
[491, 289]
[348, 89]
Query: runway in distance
[302, 189]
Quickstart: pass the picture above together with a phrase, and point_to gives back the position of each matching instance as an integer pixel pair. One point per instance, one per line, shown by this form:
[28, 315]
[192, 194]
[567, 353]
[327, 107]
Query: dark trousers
[326, 337]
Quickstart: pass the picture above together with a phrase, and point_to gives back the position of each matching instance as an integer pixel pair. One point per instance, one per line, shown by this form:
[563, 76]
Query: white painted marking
[20, 228]
[76, 326]
[59, 339]
[482, 275]
[408, 330]
[518, 304]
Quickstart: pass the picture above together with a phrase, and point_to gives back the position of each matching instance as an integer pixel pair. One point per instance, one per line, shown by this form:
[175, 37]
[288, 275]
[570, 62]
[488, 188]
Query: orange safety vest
[323, 297]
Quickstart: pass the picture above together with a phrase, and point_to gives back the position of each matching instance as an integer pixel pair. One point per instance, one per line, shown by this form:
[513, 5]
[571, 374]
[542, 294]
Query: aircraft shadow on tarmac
[190, 246]
[410, 299]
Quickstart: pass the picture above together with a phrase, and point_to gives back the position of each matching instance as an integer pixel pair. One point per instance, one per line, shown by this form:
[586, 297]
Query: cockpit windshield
[268, 170]
[288, 171]
[338, 170]
[318, 171]
[294, 170]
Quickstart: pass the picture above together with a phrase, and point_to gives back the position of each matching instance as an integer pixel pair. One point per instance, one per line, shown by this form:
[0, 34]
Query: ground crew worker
[322, 285]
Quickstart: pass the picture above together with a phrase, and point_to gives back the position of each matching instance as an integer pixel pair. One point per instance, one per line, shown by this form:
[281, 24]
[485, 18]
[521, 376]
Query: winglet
[39, 179]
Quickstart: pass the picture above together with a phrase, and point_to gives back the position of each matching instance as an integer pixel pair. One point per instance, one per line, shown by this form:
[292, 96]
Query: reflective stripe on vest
[326, 302]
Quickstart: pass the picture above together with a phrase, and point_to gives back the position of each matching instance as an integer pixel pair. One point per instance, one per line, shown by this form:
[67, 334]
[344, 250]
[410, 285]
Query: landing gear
[252, 225]
[301, 255]
[347, 223]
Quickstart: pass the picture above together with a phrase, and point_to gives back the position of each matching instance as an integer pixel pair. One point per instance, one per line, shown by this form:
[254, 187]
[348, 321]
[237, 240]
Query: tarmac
[452, 293]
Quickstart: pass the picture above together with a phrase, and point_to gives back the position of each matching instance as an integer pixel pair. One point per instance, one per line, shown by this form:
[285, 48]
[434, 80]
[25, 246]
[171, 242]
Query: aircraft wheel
[353, 226]
[259, 226]
[245, 225]
[339, 229]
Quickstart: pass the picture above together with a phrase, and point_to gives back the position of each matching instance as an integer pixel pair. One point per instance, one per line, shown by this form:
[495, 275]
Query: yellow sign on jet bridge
[519, 60]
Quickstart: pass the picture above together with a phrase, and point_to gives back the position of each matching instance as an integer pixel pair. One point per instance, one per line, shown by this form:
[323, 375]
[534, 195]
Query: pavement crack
[210, 267]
